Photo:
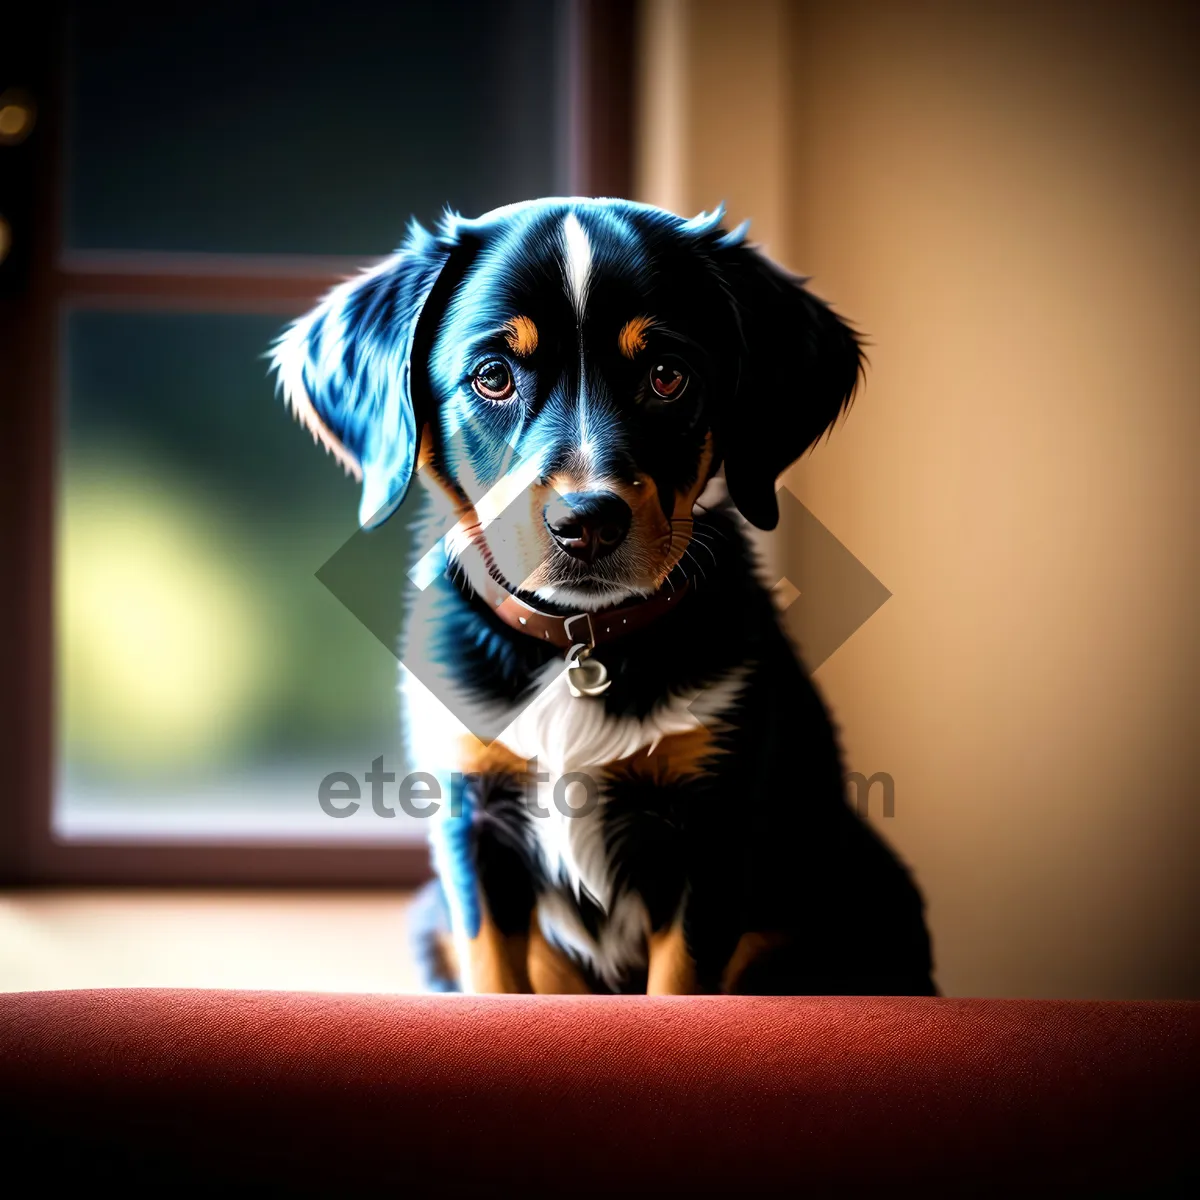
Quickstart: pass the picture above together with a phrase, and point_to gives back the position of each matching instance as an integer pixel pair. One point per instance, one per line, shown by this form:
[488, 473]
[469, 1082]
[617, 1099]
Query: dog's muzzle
[588, 525]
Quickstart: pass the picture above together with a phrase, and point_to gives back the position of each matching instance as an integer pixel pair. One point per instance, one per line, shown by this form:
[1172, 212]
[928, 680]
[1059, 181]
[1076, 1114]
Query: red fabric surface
[589, 1095]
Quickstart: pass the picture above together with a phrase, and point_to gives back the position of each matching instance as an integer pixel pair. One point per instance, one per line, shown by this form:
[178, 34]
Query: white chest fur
[571, 735]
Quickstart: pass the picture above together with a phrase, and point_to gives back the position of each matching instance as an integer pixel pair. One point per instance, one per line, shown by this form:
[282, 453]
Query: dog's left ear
[353, 369]
[799, 367]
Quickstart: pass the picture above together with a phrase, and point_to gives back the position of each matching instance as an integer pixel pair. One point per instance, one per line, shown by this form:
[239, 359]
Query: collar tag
[586, 676]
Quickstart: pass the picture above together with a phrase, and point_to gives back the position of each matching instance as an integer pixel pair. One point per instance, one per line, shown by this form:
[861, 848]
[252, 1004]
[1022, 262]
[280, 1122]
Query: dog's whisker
[696, 562]
[707, 548]
[712, 531]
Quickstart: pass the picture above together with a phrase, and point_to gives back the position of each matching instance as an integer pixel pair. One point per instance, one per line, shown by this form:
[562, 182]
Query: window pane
[289, 127]
[207, 680]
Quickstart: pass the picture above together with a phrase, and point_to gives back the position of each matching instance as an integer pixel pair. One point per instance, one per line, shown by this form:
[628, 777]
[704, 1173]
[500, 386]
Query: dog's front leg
[498, 960]
[488, 891]
[672, 969]
[551, 972]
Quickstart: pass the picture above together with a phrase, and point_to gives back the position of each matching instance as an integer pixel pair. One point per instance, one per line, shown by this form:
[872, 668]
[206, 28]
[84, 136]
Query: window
[197, 178]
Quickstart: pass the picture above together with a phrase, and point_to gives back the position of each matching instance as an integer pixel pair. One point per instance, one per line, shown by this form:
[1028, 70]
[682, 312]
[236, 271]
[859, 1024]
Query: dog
[660, 806]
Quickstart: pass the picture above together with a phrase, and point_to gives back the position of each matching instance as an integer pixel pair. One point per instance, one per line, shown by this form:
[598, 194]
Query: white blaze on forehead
[577, 261]
[577, 267]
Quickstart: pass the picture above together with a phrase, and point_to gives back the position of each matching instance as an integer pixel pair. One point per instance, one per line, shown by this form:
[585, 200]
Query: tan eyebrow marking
[632, 337]
[521, 335]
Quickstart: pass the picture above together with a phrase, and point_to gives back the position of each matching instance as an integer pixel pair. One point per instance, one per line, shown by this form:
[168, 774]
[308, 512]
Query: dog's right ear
[353, 369]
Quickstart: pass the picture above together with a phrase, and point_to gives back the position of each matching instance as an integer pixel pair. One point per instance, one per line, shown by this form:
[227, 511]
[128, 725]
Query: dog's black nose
[588, 525]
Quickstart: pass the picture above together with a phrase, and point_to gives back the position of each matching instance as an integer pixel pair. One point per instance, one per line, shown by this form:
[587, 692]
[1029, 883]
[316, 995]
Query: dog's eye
[668, 379]
[493, 380]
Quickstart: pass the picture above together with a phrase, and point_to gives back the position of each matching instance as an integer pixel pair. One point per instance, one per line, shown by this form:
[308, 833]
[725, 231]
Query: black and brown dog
[659, 802]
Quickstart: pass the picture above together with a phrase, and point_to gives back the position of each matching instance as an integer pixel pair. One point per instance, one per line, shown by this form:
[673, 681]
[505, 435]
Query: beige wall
[1006, 199]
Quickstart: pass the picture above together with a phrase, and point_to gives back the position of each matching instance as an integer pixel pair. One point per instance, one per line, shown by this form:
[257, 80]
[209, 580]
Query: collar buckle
[590, 643]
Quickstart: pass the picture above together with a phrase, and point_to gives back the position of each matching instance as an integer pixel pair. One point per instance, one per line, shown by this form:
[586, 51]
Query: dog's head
[570, 374]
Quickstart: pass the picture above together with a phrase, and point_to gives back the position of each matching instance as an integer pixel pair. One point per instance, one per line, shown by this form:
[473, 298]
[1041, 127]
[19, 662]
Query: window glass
[207, 680]
[291, 127]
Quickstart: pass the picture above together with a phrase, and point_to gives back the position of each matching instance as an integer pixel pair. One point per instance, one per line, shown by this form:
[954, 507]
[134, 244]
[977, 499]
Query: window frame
[42, 283]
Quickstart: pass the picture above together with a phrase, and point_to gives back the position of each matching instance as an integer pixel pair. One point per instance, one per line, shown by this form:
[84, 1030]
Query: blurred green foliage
[193, 510]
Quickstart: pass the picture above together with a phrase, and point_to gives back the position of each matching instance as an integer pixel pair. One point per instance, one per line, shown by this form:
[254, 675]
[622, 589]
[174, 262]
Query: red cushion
[591, 1094]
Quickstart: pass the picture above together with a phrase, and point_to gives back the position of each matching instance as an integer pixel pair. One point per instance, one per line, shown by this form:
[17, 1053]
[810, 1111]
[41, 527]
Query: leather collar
[587, 628]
